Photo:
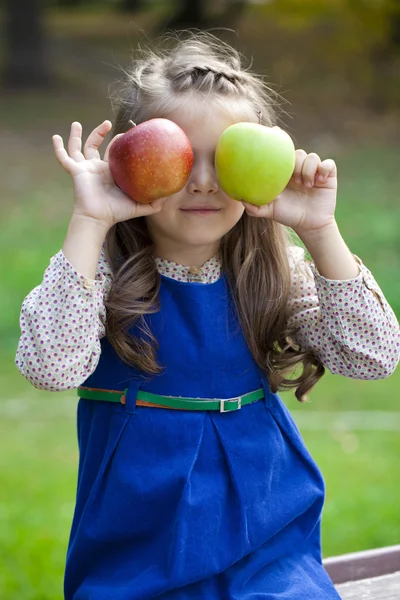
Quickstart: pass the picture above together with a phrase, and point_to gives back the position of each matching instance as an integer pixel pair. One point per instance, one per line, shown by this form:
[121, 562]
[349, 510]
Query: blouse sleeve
[62, 321]
[348, 324]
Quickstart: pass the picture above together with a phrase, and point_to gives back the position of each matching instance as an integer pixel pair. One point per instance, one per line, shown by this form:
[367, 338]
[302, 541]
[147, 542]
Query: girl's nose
[203, 179]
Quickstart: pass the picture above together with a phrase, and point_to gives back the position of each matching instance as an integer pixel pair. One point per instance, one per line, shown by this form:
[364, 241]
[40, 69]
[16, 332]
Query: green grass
[38, 474]
[361, 508]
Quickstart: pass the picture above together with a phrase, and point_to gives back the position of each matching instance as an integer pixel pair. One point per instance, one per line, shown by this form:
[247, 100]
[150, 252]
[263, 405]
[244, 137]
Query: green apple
[254, 163]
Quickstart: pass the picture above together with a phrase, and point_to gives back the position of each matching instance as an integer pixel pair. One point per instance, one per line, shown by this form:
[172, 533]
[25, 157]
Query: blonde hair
[254, 253]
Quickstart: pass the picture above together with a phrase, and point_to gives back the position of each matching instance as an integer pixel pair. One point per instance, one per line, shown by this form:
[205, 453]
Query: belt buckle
[222, 403]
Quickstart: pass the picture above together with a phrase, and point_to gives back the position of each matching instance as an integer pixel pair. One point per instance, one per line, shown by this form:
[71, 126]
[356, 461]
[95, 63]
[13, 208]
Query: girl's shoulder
[103, 266]
[296, 254]
[300, 265]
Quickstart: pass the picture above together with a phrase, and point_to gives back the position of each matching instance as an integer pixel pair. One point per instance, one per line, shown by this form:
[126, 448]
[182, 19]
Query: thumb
[266, 210]
[145, 210]
[106, 153]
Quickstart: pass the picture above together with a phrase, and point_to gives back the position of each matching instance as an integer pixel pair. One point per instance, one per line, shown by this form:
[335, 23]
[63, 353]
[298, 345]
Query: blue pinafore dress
[179, 505]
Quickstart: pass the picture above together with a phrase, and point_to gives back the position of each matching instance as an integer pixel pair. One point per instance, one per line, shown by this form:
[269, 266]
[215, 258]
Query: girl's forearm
[330, 254]
[83, 243]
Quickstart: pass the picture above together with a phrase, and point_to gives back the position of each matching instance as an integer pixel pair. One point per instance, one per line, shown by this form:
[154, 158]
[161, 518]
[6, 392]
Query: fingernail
[309, 184]
[321, 178]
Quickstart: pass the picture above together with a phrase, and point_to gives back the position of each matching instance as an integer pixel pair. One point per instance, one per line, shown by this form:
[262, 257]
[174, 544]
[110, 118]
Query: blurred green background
[337, 65]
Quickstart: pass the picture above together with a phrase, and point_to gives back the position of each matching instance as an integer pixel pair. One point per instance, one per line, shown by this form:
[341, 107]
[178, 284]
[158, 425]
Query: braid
[230, 75]
[207, 79]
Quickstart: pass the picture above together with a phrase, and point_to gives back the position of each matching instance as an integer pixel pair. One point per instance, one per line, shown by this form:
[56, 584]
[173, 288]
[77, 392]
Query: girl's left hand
[308, 201]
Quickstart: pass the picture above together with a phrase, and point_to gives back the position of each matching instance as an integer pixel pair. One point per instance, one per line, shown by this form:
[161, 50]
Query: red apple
[152, 160]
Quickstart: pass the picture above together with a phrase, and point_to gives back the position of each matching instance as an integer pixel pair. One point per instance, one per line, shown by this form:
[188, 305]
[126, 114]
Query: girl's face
[191, 223]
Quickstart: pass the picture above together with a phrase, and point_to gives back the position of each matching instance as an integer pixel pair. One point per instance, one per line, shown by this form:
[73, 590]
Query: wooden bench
[369, 575]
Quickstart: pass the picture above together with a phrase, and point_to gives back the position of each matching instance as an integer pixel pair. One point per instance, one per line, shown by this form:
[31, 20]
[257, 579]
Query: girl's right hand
[96, 195]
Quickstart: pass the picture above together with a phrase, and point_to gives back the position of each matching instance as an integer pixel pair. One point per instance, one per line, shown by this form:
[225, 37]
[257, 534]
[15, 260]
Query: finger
[143, 210]
[106, 153]
[75, 142]
[61, 154]
[265, 211]
[310, 168]
[300, 156]
[326, 169]
[95, 139]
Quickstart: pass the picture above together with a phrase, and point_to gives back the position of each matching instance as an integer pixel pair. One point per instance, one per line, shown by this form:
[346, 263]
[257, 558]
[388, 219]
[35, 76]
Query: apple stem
[131, 123]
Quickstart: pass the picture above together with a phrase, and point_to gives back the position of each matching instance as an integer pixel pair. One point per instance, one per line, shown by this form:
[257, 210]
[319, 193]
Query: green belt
[221, 404]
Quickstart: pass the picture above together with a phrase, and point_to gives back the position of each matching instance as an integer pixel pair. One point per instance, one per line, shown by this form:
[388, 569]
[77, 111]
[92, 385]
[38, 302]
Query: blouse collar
[210, 272]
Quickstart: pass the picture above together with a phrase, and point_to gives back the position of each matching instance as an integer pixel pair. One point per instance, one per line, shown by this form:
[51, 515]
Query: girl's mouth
[201, 211]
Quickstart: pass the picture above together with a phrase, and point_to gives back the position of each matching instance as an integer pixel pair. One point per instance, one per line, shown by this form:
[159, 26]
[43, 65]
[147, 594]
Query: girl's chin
[200, 240]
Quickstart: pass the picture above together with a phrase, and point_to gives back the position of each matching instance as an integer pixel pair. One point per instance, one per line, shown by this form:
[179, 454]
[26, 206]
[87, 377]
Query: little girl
[178, 321]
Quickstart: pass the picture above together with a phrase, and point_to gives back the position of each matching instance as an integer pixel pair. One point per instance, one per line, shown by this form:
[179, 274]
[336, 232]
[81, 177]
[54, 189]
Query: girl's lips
[200, 211]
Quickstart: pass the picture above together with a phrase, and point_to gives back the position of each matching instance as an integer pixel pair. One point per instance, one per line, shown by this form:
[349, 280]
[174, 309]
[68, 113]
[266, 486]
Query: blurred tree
[71, 3]
[385, 61]
[395, 23]
[190, 13]
[26, 63]
[357, 40]
[196, 13]
[131, 5]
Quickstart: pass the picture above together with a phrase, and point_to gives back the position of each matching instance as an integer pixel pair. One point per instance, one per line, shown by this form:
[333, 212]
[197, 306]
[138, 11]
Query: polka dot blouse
[348, 324]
